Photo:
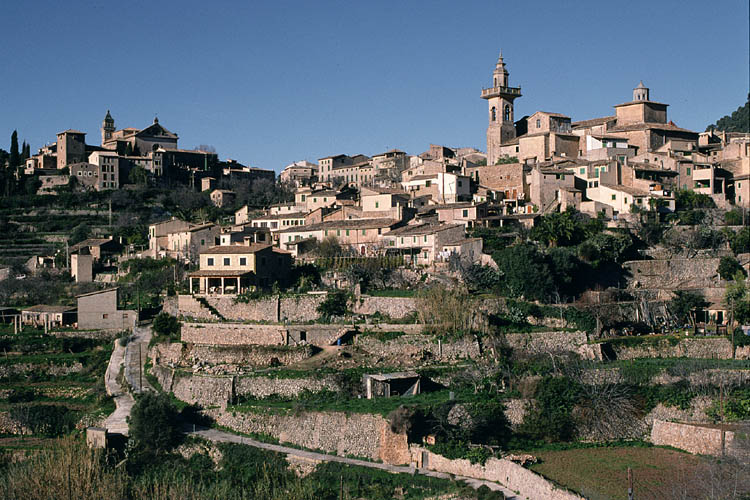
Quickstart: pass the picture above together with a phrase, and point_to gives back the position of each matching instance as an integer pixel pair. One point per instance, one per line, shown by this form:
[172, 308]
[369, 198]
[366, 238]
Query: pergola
[220, 282]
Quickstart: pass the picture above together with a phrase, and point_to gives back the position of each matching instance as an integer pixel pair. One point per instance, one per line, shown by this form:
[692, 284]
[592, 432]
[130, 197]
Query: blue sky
[268, 83]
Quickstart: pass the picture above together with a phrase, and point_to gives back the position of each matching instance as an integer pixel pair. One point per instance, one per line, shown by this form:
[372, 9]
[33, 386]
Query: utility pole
[630, 483]
[140, 369]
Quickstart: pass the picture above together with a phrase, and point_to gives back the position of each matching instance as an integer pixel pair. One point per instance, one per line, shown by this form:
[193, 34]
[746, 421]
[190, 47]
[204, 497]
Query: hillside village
[576, 294]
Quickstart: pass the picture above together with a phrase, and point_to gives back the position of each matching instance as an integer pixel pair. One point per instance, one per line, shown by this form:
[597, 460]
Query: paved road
[117, 423]
[226, 437]
[135, 357]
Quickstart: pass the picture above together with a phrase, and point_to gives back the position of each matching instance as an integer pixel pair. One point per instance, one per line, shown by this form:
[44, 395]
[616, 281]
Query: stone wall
[673, 274]
[47, 369]
[262, 387]
[694, 347]
[252, 334]
[252, 356]
[361, 435]
[510, 474]
[418, 348]
[300, 308]
[551, 342]
[702, 439]
[211, 390]
[393, 307]
[206, 390]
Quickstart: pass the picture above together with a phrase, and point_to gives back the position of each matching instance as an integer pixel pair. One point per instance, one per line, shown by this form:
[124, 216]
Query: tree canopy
[738, 121]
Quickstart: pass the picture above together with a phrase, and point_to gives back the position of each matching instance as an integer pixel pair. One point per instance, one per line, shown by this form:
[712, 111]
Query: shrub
[335, 304]
[47, 420]
[728, 267]
[154, 424]
[551, 420]
[167, 326]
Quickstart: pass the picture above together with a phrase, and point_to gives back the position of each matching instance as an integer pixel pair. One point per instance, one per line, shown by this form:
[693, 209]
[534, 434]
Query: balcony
[501, 91]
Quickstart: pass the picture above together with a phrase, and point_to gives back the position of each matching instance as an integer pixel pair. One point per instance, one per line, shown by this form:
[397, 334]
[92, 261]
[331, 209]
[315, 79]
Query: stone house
[244, 233]
[96, 177]
[208, 183]
[158, 235]
[373, 199]
[222, 197]
[236, 269]
[99, 248]
[82, 268]
[549, 135]
[52, 316]
[620, 198]
[546, 186]
[461, 213]
[363, 236]
[443, 187]
[98, 311]
[299, 173]
[422, 243]
[190, 242]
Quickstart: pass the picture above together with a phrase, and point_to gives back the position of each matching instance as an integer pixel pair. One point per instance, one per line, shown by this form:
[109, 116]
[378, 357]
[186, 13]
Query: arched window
[494, 116]
[506, 115]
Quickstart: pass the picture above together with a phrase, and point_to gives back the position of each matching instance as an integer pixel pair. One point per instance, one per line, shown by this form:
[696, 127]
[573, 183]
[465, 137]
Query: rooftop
[420, 229]
[344, 224]
[235, 249]
[49, 309]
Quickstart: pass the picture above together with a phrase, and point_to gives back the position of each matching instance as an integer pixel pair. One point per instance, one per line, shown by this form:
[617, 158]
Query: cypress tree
[15, 157]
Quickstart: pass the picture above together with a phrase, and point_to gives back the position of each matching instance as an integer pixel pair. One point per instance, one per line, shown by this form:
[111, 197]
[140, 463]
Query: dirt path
[226, 437]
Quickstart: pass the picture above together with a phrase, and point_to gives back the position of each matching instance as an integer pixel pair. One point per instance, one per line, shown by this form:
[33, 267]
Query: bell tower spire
[108, 128]
[500, 96]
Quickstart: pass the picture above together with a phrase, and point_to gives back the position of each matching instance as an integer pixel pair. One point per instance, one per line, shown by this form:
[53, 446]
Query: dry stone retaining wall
[695, 347]
[262, 387]
[241, 334]
[360, 435]
[699, 439]
[673, 274]
[419, 347]
[48, 369]
[393, 307]
[551, 342]
[510, 474]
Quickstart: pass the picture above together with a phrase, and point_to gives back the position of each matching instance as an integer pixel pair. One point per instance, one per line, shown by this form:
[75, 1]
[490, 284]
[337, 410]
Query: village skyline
[273, 89]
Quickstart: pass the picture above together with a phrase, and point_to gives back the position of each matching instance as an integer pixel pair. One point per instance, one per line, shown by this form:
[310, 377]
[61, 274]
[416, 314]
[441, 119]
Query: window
[203, 242]
[614, 197]
[227, 261]
[303, 197]
[493, 117]
[105, 316]
[460, 183]
[506, 113]
[538, 123]
[626, 201]
[427, 183]
[402, 240]
[583, 170]
[210, 261]
[347, 232]
[377, 204]
[465, 214]
[243, 261]
[688, 170]
[338, 232]
[364, 232]
[425, 238]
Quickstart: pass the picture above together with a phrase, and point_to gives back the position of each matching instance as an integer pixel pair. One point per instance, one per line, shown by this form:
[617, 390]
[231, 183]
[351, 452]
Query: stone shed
[386, 385]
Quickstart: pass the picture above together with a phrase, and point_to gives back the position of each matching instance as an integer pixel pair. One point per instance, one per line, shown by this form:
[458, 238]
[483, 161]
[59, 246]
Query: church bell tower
[108, 128]
[500, 100]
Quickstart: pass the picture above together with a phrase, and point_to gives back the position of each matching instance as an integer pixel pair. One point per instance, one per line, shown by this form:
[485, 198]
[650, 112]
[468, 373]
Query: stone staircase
[197, 307]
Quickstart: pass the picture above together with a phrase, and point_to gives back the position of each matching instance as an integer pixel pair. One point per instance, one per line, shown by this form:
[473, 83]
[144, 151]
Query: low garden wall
[551, 342]
[241, 334]
[527, 483]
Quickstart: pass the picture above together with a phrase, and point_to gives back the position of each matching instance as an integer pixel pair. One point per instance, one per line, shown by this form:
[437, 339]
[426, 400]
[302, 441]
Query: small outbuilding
[386, 385]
